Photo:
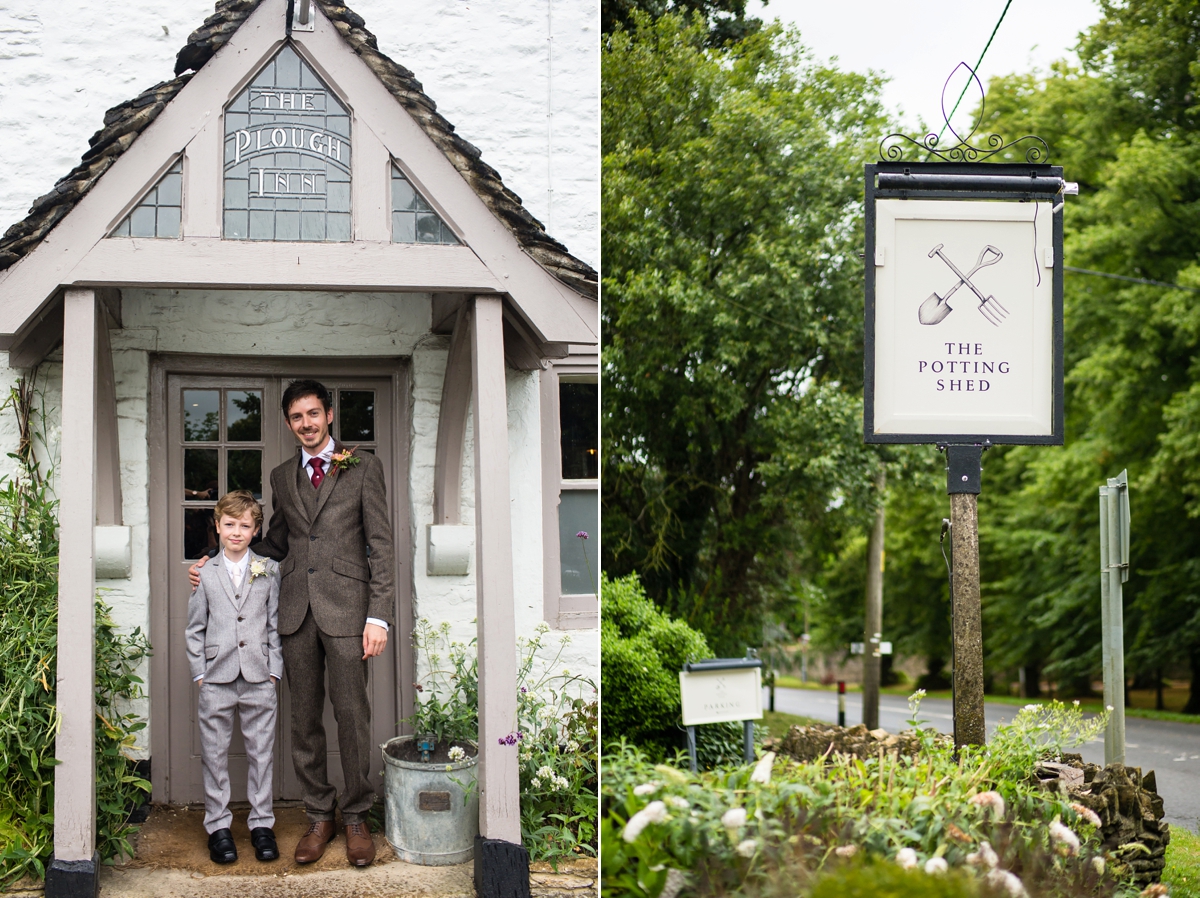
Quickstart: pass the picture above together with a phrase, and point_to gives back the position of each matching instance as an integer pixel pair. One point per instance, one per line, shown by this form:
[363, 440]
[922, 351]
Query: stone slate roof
[123, 123]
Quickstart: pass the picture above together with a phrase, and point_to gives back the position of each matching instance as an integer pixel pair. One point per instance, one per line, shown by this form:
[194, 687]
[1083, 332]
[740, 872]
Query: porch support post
[108, 449]
[74, 869]
[501, 863]
[452, 423]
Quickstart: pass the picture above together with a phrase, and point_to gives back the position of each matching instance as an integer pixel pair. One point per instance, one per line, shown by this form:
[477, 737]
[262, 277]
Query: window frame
[563, 611]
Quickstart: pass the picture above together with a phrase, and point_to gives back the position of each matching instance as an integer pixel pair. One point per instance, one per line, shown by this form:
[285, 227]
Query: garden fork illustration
[989, 307]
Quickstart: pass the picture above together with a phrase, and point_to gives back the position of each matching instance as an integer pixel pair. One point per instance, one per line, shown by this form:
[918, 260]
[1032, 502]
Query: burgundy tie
[318, 474]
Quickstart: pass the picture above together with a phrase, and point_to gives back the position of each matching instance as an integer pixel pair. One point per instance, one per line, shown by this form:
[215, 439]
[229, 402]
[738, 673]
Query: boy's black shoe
[263, 840]
[221, 848]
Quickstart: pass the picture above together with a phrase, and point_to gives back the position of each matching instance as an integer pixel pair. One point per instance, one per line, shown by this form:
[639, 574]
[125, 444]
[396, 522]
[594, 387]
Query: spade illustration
[935, 309]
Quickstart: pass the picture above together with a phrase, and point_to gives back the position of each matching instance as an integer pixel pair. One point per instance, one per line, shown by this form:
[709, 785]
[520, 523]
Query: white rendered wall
[519, 80]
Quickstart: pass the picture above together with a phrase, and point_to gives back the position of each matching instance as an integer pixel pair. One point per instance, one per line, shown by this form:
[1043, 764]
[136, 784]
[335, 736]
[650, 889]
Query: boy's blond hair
[236, 503]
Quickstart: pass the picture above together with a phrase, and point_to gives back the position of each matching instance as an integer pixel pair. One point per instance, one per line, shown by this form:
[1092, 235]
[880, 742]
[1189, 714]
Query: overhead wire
[978, 63]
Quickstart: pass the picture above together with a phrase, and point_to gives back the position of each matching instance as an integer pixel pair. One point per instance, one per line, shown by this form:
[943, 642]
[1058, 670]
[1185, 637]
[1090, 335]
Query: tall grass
[29, 717]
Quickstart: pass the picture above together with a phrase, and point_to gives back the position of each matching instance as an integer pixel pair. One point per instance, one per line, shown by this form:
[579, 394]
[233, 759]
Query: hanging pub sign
[964, 303]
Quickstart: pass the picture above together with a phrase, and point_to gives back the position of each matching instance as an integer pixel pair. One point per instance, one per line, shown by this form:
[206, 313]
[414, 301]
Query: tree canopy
[732, 315]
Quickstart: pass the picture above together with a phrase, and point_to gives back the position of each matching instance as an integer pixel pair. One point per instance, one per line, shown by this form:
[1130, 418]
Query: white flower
[1075, 703]
[560, 782]
[734, 818]
[545, 713]
[1064, 837]
[991, 800]
[643, 789]
[655, 812]
[1098, 865]
[542, 627]
[1086, 813]
[1030, 707]
[678, 803]
[258, 567]
[1008, 881]
[572, 746]
[985, 857]
[846, 850]
[456, 753]
[747, 847]
[536, 783]
[526, 756]
[906, 858]
[762, 770]
[936, 865]
[545, 772]
[1110, 707]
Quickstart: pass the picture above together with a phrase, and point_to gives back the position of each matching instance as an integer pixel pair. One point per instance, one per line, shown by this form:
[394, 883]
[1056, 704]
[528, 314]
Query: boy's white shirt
[237, 573]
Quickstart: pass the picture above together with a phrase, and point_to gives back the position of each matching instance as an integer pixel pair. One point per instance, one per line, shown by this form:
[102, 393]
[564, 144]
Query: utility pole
[872, 631]
[1114, 571]
[963, 471]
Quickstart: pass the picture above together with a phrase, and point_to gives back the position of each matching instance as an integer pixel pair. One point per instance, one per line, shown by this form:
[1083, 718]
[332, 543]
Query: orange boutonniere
[344, 459]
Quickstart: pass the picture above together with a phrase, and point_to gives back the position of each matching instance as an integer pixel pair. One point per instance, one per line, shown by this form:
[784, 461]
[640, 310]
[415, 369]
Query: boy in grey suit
[234, 652]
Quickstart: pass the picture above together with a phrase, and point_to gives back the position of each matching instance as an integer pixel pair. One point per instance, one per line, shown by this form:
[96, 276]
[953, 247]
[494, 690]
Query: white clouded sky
[917, 43]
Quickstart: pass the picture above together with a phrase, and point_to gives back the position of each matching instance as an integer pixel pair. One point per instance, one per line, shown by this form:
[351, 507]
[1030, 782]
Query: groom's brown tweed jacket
[336, 553]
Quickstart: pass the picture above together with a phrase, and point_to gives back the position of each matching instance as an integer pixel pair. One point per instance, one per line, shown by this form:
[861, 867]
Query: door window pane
[245, 470]
[200, 415]
[199, 532]
[578, 514]
[200, 474]
[578, 405]
[357, 416]
[243, 414]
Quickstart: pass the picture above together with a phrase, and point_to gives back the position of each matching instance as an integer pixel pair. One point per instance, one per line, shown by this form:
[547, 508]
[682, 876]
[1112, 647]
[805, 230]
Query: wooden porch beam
[452, 424]
[75, 775]
[109, 508]
[499, 785]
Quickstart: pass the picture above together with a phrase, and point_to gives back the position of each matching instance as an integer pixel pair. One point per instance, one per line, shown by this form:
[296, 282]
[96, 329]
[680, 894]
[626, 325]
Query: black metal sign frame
[1002, 182]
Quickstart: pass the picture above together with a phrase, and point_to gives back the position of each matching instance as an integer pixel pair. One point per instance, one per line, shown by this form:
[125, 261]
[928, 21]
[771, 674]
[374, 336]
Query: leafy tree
[731, 318]
[726, 19]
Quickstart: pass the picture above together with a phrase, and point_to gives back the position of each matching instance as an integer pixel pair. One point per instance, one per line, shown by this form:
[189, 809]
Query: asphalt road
[1170, 749]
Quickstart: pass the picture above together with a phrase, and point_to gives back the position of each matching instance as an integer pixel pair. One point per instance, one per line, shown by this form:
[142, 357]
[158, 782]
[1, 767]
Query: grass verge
[779, 723]
[1182, 872]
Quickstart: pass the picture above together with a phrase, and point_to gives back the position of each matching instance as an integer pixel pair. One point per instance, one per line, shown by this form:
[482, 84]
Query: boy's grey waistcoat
[234, 631]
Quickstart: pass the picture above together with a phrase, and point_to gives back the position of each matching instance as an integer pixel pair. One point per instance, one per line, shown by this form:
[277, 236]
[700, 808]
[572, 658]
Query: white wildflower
[1086, 813]
[1110, 708]
[762, 770]
[643, 789]
[572, 746]
[655, 812]
[545, 713]
[1098, 865]
[536, 783]
[1008, 881]
[846, 850]
[936, 865]
[747, 847]
[1030, 707]
[992, 800]
[984, 857]
[1064, 837]
[542, 628]
[560, 782]
[906, 858]
[545, 772]
[526, 756]
[1075, 703]
[678, 803]
[457, 753]
[734, 818]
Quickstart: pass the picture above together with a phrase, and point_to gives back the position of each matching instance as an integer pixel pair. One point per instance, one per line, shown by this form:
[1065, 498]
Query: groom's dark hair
[298, 389]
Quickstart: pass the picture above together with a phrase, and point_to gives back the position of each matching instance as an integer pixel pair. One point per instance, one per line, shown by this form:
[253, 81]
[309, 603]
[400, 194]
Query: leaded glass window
[287, 157]
[413, 219]
[157, 215]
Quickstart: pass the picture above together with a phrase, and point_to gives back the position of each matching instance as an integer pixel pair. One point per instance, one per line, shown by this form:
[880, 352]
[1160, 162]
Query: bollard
[841, 703]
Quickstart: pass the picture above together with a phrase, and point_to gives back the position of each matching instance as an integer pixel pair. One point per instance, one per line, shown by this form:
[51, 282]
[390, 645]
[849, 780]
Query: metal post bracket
[964, 467]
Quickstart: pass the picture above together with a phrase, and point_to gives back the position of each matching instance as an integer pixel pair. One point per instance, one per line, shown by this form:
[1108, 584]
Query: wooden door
[224, 433]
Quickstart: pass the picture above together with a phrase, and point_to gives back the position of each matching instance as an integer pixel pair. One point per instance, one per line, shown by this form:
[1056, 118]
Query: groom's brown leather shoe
[360, 847]
[312, 843]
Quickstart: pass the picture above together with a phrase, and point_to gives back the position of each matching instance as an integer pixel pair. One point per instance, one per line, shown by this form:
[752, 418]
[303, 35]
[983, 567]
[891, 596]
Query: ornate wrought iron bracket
[893, 147]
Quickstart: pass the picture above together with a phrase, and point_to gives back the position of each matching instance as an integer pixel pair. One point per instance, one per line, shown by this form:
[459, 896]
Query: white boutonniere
[258, 568]
[344, 459]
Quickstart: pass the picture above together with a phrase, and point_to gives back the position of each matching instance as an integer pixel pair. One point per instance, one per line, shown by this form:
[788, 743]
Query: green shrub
[28, 665]
[881, 880]
[642, 651]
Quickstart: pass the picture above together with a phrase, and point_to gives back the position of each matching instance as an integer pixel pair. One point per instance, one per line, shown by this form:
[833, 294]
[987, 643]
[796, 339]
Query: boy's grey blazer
[235, 631]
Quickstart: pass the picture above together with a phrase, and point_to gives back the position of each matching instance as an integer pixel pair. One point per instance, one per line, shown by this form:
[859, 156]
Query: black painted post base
[73, 879]
[501, 869]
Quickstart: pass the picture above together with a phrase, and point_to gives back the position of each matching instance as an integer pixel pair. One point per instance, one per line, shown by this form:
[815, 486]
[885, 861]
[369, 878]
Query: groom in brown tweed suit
[331, 534]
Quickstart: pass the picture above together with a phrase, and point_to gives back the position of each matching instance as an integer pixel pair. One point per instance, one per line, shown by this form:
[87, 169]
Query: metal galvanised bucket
[429, 818]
